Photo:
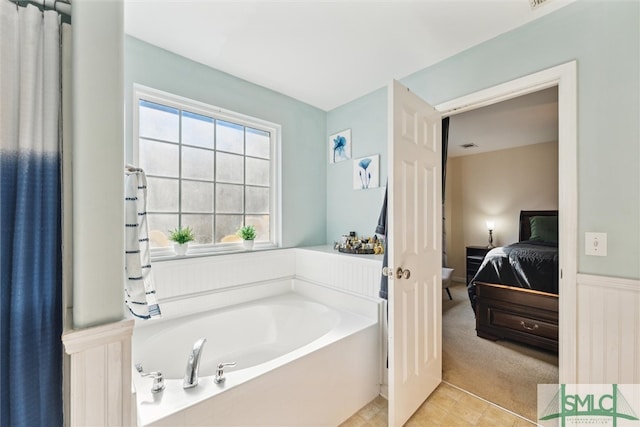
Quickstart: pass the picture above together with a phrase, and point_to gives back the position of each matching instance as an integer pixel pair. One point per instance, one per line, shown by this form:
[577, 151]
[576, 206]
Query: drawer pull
[529, 328]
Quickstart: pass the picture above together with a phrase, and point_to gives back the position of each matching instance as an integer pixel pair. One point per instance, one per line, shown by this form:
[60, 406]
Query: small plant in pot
[248, 235]
[181, 237]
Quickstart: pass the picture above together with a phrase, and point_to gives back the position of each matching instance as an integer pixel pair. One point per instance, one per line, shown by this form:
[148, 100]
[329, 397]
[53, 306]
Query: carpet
[503, 372]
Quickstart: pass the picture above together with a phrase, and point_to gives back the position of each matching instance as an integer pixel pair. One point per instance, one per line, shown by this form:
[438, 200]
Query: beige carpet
[501, 372]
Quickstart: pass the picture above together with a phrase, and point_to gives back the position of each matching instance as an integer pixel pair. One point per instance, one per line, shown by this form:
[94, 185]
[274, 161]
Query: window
[209, 169]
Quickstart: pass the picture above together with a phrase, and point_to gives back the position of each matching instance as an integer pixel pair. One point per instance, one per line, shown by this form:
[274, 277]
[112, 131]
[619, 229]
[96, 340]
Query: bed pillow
[544, 228]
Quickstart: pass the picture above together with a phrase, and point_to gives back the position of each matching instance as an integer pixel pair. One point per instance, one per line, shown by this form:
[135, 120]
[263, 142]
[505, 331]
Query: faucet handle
[220, 372]
[158, 379]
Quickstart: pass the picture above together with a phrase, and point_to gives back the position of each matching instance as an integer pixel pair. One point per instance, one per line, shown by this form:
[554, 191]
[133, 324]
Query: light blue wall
[303, 128]
[349, 209]
[603, 37]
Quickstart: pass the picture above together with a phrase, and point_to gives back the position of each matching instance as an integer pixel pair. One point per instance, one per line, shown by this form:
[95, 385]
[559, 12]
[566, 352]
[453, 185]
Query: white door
[415, 247]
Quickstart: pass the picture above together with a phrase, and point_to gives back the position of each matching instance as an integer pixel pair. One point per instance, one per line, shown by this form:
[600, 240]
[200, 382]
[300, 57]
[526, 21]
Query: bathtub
[302, 358]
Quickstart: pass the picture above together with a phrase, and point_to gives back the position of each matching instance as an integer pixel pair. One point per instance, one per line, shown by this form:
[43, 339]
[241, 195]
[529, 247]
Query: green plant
[248, 232]
[182, 235]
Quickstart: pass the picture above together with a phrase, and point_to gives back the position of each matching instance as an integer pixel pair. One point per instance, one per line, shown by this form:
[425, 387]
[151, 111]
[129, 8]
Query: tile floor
[447, 406]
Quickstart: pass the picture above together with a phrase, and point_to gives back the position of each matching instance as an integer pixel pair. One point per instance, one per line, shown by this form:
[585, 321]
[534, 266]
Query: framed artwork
[340, 146]
[366, 172]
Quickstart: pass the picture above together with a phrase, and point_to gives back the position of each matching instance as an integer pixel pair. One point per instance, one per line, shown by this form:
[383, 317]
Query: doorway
[564, 77]
[511, 166]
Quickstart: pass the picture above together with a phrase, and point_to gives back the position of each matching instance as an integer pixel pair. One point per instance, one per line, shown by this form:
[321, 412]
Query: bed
[515, 291]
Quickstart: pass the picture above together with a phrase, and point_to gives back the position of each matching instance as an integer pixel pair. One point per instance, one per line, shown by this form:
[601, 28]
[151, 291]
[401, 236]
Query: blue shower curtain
[31, 310]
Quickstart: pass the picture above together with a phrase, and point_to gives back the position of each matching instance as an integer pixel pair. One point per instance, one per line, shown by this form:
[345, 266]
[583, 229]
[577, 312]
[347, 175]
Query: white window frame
[141, 92]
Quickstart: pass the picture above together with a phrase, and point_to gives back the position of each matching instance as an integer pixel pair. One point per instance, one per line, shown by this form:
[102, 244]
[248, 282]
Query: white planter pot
[248, 244]
[180, 249]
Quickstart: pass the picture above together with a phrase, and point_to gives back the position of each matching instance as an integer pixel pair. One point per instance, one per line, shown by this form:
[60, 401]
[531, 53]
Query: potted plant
[181, 237]
[248, 235]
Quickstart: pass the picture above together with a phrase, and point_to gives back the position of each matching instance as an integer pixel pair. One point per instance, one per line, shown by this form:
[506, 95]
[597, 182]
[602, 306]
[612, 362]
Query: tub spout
[193, 363]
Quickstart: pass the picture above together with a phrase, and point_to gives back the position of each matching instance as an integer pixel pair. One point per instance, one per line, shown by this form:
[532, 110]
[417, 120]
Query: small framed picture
[340, 146]
[366, 172]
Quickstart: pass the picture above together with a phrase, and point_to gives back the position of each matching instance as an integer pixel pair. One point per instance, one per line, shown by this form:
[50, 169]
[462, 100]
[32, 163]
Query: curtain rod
[60, 6]
[130, 168]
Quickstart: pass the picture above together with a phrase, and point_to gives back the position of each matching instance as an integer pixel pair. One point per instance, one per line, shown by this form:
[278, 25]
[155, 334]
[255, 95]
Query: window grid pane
[159, 227]
[258, 143]
[158, 121]
[220, 180]
[159, 158]
[197, 130]
[197, 196]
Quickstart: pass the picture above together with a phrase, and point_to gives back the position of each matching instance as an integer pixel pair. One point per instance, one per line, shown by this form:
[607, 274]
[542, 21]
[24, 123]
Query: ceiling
[324, 52]
[525, 120]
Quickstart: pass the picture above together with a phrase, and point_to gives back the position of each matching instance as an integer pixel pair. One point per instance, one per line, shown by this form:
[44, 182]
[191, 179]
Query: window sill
[167, 254]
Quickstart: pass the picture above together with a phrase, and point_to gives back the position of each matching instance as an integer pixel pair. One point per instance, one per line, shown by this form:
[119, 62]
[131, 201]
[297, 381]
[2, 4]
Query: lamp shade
[490, 225]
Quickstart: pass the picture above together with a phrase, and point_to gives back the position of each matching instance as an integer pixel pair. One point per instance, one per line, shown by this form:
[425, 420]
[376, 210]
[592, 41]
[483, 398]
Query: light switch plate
[595, 244]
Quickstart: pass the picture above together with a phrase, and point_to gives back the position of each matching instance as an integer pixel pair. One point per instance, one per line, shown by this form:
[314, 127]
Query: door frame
[563, 76]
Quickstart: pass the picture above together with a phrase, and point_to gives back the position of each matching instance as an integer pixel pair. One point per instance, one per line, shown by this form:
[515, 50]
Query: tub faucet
[193, 363]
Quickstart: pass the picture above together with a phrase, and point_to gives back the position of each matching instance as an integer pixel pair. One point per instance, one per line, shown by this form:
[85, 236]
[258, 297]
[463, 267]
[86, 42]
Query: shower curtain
[31, 296]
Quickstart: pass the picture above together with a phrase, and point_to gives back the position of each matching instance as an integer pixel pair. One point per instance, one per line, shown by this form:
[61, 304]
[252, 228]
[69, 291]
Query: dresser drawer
[474, 262]
[524, 324]
[523, 315]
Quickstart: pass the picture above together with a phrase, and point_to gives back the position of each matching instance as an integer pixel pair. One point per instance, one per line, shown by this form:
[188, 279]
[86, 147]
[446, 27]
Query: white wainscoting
[608, 335]
[179, 278]
[357, 274]
[100, 377]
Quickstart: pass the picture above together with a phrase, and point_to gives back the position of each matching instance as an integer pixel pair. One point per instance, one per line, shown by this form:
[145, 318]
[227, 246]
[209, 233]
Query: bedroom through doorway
[502, 159]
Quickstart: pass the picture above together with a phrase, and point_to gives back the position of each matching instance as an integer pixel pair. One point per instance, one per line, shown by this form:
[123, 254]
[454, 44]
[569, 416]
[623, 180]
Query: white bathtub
[299, 362]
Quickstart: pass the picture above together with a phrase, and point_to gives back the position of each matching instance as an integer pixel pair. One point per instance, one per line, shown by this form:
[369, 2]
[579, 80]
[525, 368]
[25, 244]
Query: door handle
[399, 273]
[403, 274]
[388, 271]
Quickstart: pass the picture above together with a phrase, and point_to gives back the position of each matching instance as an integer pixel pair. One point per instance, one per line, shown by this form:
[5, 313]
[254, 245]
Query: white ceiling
[526, 120]
[324, 52]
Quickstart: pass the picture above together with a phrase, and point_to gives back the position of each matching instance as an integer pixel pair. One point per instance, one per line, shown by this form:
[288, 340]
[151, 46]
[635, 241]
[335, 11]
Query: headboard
[525, 225]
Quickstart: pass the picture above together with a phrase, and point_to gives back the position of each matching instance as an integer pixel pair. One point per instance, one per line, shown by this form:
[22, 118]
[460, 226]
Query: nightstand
[475, 256]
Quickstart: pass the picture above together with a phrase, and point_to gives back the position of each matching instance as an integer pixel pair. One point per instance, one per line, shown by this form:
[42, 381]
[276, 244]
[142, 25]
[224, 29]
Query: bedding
[532, 264]
[544, 228]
